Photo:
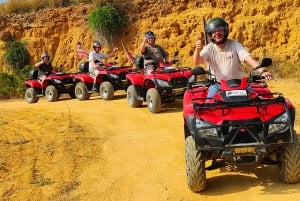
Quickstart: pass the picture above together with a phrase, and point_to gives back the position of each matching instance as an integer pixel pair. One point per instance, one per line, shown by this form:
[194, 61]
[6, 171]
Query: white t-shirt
[94, 56]
[225, 63]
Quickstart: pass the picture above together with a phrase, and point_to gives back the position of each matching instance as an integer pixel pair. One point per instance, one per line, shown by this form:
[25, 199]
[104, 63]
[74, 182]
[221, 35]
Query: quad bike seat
[33, 74]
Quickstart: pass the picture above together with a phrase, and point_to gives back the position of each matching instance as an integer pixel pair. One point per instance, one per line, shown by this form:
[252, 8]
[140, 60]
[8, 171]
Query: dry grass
[23, 6]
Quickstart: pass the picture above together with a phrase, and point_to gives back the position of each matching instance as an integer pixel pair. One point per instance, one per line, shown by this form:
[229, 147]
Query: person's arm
[263, 71]
[168, 60]
[165, 55]
[196, 57]
[143, 46]
[39, 63]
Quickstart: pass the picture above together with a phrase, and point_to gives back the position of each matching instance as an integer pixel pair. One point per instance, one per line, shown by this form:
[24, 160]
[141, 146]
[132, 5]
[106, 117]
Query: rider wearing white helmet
[96, 59]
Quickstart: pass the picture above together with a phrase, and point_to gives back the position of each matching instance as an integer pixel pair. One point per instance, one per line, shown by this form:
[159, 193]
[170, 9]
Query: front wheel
[289, 169]
[51, 93]
[132, 97]
[81, 91]
[106, 90]
[195, 166]
[153, 100]
[30, 95]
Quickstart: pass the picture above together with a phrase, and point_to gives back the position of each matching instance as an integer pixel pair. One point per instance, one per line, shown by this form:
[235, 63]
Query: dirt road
[104, 150]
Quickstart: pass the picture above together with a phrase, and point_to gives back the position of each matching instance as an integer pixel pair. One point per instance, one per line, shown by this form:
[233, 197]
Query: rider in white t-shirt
[224, 56]
[96, 59]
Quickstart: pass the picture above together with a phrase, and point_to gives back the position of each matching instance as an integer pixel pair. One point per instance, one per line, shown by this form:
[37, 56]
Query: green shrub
[108, 23]
[16, 55]
[19, 79]
[12, 85]
[7, 85]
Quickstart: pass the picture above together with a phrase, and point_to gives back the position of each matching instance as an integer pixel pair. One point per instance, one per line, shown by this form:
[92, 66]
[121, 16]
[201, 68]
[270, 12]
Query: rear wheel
[106, 90]
[132, 97]
[153, 100]
[195, 166]
[30, 95]
[81, 91]
[289, 169]
[51, 93]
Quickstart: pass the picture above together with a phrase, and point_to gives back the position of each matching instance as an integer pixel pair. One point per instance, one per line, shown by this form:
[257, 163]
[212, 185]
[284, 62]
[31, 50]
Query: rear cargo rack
[211, 103]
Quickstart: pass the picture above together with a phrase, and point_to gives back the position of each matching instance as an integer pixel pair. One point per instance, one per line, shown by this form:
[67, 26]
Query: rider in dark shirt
[44, 66]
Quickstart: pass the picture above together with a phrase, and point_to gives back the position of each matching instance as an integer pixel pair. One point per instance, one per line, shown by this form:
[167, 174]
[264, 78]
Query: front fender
[33, 84]
[135, 78]
[189, 124]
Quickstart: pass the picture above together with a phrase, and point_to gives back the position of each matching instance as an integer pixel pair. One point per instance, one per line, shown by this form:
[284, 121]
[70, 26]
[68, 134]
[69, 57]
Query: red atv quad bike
[109, 79]
[163, 85]
[55, 83]
[243, 124]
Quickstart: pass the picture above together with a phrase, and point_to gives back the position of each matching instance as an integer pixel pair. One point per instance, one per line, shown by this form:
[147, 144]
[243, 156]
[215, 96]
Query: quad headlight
[162, 83]
[57, 81]
[115, 76]
[204, 128]
[279, 124]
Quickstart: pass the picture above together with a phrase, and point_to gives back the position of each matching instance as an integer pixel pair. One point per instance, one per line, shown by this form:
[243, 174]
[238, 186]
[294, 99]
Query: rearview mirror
[265, 62]
[198, 71]
[175, 53]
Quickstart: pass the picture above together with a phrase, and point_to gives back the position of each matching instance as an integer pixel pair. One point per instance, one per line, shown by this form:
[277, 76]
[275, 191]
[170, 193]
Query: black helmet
[149, 34]
[215, 23]
[97, 44]
[45, 55]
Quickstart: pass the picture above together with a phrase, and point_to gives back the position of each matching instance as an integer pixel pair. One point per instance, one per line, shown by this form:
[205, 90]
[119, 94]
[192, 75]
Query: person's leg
[95, 73]
[212, 90]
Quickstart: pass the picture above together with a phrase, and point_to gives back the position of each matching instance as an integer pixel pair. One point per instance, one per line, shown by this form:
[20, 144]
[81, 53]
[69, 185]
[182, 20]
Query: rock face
[267, 28]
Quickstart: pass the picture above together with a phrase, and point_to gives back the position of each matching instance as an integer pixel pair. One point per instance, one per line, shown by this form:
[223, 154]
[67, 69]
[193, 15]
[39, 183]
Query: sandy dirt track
[104, 150]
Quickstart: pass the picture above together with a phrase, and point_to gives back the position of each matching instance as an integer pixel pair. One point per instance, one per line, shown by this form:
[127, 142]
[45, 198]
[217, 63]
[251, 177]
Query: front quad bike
[163, 85]
[109, 79]
[55, 83]
[244, 123]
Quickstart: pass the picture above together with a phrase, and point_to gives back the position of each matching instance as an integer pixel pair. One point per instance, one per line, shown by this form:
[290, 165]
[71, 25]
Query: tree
[16, 55]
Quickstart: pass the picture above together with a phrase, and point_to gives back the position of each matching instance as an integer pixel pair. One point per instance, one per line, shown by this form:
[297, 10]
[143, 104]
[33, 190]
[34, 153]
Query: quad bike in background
[55, 83]
[163, 85]
[109, 79]
[243, 124]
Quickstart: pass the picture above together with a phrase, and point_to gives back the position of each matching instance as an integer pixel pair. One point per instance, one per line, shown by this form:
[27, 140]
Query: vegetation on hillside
[16, 55]
[107, 22]
[24, 6]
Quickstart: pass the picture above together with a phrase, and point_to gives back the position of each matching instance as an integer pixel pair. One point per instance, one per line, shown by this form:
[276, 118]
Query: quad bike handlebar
[253, 77]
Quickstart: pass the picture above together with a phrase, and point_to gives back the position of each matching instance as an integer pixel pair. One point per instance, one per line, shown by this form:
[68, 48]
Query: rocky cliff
[266, 27]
